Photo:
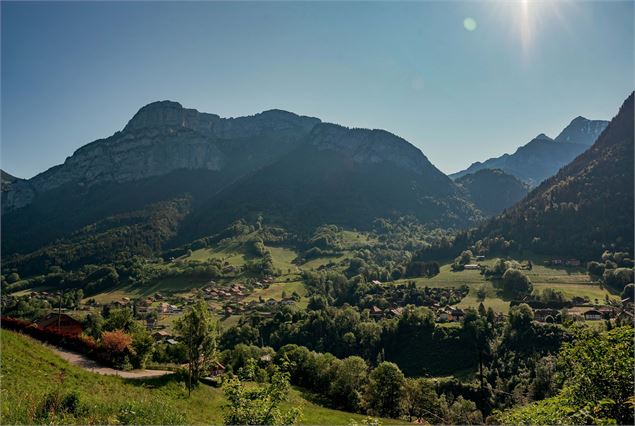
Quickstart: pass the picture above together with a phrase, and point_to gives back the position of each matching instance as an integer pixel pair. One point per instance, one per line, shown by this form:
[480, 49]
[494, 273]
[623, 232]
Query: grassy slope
[30, 370]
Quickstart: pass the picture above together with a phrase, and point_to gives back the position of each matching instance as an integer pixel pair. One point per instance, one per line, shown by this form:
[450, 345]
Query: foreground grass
[30, 371]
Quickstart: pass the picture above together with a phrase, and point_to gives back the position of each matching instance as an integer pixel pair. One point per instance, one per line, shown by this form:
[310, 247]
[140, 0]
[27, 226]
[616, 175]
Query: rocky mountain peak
[542, 136]
[369, 146]
[582, 130]
[171, 114]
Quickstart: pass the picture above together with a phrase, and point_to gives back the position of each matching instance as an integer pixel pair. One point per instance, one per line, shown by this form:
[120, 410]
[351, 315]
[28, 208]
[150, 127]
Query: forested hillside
[584, 209]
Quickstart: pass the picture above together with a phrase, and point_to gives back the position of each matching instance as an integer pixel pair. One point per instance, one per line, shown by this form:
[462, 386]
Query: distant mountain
[492, 191]
[190, 174]
[582, 131]
[586, 207]
[6, 180]
[542, 157]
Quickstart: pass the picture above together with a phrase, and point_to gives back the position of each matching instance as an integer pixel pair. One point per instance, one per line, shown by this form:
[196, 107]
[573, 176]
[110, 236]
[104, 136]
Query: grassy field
[30, 371]
[572, 281]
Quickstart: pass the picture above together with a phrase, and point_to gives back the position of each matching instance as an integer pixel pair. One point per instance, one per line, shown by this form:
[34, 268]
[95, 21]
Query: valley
[333, 275]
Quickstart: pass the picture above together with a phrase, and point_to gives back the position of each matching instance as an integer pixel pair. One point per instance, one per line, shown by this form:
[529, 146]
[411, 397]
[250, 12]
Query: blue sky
[75, 72]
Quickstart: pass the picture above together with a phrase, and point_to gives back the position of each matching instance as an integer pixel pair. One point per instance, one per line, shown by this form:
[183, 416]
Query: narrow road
[92, 366]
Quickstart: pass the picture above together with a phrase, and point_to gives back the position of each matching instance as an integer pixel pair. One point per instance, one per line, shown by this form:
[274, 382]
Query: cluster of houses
[235, 291]
[442, 313]
[378, 313]
[586, 313]
[256, 306]
[563, 262]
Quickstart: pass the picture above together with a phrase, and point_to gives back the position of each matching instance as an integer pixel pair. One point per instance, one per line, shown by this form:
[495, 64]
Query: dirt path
[90, 365]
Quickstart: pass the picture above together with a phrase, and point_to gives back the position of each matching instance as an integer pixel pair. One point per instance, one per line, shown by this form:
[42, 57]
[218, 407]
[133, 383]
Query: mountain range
[542, 157]
[585, 208]
[175, 174]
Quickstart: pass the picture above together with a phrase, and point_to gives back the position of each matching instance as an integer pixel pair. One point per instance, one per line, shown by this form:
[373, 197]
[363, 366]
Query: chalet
[450, 314]
[472, 267]
[395, 312]
[542, 314]
[376, 282]
[606, 311]
[592, 315]
[479, 258]
[287, 301]
[217, 369]
[172, 342]
[265, 358]
[376, 312]
[444, 315]
[161, 335]
[457, 314]
[164, 307]
[572, 262]
[62, 323]
[229, 311]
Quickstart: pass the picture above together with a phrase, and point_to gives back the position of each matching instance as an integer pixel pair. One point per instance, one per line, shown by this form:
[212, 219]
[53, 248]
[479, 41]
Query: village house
[161, 335]
[395, 312]
[450, 314]
[479, 258]
[376, 312]
[472, 267]
[61, 323]
[592, 315]
[376, 282]
[217, 369]
[542, 314]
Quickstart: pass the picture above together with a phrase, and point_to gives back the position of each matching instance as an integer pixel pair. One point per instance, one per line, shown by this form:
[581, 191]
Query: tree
[481, 293]
[347, 388]
[259, 405]
[598, 374]
[385, 390]
[93, 324]
[514, 281]
[464, 412]
[480, 333]
[420, 401]
[142, 343]
[629, 292]
[118, 319]
[13, 277]
[199, 333]
[115, 341]
[618, 278]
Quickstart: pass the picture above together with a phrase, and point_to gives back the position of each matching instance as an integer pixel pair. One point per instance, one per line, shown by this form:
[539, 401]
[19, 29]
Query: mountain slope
[492, 191]
[586, 207]
[343, 176]
[296, 171]
[542, 157]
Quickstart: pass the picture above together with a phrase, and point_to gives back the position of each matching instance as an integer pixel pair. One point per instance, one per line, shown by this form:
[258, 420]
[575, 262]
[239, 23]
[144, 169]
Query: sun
[528, 19]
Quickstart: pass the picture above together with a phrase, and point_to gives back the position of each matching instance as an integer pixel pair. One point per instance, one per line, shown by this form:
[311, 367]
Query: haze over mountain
[586, 207]
[542, 157]
[177, 174]
[492, 190]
